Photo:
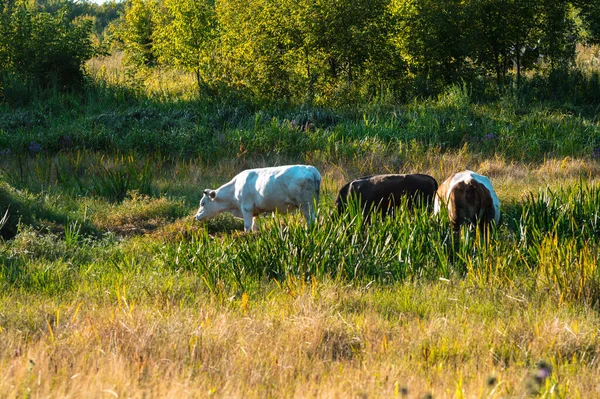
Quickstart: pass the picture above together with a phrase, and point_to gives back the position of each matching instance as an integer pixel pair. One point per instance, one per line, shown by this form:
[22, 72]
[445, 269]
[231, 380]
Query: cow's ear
[212, 194]
[207, 191]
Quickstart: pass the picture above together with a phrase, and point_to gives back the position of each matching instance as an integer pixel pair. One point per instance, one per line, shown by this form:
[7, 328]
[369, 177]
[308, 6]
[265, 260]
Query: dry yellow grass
[320, 340]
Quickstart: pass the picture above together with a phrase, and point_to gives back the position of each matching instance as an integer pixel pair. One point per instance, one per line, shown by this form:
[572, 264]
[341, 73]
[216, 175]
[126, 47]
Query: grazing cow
[255, 191]
[470, 198]
[385, 192]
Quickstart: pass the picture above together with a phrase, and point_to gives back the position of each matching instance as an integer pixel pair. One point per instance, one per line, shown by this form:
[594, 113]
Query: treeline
[307, 49]
[102, 15]
[301, 50]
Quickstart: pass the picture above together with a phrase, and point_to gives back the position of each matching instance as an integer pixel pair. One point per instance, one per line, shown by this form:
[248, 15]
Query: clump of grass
[566, 212]
[139, 214]
[113, 180]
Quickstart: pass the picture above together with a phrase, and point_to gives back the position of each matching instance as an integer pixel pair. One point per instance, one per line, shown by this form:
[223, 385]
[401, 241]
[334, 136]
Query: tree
[433, 38]
[590, 15]
[559, 35]
[349, 32]
[281, 47]
[135, 31]
[502, 30]
[256, 45]
[184, 34]
[45, 49]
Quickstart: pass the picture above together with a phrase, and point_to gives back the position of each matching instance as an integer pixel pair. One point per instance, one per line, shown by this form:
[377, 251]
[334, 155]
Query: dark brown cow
[385, 192]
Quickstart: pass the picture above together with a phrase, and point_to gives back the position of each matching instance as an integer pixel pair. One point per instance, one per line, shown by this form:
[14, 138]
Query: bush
[42, 50]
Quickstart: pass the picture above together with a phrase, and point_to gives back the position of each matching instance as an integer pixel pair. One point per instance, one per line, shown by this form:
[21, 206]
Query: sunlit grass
[297, 339]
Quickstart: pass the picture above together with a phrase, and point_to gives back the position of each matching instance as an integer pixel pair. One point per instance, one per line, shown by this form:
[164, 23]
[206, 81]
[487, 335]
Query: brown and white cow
[470, 199]
[385, 192]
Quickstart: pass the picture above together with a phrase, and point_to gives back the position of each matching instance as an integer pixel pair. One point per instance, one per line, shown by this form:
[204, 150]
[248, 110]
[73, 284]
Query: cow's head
[209, 206]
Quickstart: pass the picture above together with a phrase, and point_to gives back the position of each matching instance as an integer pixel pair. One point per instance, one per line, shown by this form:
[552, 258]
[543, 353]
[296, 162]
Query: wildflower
[5, 152]
[536, 379]
[490, 136]
[544, 370]
[35, 147]
[596, 153]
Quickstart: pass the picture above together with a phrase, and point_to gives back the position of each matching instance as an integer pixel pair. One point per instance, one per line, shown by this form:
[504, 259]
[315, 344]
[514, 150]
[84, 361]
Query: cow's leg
[254, 225]
[308, 211]
[248, 220]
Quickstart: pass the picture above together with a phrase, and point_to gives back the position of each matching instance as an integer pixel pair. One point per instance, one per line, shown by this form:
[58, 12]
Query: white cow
[470, 198]
[255, 191]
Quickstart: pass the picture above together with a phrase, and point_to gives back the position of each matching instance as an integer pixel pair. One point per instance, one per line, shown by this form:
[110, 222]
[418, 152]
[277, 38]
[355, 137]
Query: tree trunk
[518, 60]
[198, 81]
[309, 76]
[498, 71]
[349, 72]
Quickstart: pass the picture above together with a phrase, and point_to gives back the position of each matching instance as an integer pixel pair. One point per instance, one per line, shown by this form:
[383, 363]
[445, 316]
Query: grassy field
[108, 288]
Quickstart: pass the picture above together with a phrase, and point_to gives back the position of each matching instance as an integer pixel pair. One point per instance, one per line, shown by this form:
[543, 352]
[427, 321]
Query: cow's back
[469, 198]
[278, 188]
[394, 187]
[387, 191]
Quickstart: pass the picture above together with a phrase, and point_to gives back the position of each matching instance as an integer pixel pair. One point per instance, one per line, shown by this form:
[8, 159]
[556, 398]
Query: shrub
[43, 50]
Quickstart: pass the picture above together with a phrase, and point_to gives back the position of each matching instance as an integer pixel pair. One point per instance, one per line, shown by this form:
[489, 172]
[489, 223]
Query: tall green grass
[561, 256]
[547, 239]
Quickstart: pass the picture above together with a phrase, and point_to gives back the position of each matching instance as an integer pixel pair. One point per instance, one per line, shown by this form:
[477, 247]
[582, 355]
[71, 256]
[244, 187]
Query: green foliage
[590, 14]
[102, 14]
[559, 33]
[434, 39]
[502, 31]
[303, 49]
[184, 35]
[328, 52]
[135, 32]
[42, 49]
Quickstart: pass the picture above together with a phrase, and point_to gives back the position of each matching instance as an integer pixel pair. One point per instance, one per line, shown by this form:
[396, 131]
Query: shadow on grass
[24, 210]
